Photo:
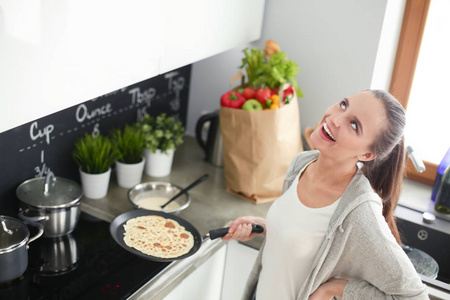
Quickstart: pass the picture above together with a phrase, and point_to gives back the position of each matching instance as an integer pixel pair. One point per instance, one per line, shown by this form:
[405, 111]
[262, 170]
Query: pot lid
[58, 193]
[16, 239]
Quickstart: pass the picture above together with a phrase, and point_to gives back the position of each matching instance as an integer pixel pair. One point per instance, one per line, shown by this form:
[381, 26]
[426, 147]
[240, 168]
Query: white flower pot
[158, 164]
[95, 186]
[128, 175]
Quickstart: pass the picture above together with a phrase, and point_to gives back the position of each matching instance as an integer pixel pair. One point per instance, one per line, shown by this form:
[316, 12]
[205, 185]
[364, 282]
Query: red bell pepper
[232, 99]
[289, 91]
[288, 94]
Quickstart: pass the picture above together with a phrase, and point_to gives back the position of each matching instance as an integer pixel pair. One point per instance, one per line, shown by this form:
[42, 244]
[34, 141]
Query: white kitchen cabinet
[202, 28]
[222, 277]
[205, 282]
[59, 53]
[239, 263]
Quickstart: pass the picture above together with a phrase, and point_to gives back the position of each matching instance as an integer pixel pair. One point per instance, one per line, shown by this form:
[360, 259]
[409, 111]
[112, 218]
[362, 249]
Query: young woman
[332, 232]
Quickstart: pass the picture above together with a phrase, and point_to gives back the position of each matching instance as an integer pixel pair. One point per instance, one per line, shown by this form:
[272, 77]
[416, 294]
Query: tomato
[262, 94]
[249, 93]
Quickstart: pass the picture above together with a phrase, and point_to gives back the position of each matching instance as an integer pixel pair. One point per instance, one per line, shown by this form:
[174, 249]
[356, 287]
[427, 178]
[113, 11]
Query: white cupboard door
[59, 53]
[198, 29]
[205, 282]
[108, 45]
[239, 263]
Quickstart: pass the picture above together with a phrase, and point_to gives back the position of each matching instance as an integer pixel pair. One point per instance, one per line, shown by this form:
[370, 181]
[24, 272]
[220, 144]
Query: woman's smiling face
[349, 128]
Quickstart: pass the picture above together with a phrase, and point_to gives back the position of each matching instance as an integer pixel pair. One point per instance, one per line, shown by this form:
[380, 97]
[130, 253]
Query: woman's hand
[329, 289]
[241, 228]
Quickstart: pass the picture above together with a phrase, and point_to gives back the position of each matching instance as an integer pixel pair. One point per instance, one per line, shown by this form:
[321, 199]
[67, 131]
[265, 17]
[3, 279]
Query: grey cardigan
[358, 246]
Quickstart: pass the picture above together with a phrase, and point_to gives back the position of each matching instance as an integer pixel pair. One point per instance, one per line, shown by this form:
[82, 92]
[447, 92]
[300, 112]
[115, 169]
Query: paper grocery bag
[258, 147]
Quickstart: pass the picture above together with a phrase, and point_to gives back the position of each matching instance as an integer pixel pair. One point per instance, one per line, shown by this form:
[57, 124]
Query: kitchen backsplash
[31, 150]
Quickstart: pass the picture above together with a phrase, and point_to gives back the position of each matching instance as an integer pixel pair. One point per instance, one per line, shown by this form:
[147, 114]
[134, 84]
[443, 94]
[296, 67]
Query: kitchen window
[420, 81]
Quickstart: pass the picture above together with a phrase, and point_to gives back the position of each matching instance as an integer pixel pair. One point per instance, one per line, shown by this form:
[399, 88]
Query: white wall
[209, 80]
[335, 44]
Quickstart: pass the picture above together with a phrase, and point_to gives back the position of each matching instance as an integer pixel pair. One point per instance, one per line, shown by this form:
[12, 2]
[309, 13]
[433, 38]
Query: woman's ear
[367, 156]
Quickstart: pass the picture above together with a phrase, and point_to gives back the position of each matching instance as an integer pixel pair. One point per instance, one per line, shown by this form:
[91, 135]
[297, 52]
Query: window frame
[413, 25]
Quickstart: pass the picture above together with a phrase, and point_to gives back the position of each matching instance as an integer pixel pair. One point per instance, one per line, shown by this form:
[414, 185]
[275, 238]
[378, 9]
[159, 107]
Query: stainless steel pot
[14, 247]
[52, 201]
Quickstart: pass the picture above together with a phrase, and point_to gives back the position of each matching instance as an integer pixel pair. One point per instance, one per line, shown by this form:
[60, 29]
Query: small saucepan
[52, 201]
[117, 232]
[14, 247]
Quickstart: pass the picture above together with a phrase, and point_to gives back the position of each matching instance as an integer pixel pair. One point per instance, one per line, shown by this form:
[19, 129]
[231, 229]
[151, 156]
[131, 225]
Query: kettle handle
[198, 128]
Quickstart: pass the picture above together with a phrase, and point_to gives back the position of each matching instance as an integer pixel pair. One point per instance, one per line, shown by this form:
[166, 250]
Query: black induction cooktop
[86, 264]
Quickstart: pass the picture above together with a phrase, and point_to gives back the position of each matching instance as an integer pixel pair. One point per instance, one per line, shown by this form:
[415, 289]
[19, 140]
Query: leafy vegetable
[254, 65]
[273, 72]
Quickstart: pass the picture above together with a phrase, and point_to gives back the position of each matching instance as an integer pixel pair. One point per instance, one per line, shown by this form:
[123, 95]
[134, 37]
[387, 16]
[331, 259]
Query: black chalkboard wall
[32, 149]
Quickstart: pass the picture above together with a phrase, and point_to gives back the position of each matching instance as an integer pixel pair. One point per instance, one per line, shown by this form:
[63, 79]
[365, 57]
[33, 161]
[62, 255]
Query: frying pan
[117, 232]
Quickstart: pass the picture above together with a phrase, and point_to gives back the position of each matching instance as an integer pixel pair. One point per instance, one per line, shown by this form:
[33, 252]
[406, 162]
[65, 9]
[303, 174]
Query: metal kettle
[213, 145]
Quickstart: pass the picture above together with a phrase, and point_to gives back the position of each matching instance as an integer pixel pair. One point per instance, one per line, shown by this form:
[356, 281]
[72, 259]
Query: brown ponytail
[386, 172]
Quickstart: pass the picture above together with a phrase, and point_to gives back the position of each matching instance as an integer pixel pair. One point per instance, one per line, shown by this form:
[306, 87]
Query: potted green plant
[162, 136]
[94, 156]
[130, 162]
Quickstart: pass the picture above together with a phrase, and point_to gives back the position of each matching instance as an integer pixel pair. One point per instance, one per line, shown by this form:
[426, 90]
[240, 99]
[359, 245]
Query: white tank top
[293, 236]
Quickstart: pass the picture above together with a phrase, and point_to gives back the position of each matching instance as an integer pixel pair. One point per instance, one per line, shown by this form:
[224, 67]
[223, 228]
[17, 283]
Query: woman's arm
[329, 289]
[376, 266]
[241, 228]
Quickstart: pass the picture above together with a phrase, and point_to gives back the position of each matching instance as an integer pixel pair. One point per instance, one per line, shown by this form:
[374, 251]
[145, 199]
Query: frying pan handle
[221, 232]
[216, 233]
